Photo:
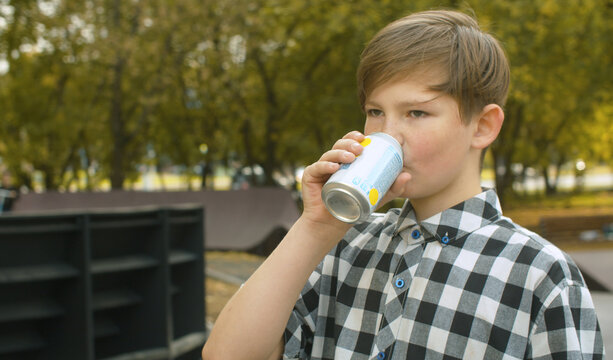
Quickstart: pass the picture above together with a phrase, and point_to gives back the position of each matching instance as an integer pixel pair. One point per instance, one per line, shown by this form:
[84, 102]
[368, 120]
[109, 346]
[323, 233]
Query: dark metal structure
[109, 284]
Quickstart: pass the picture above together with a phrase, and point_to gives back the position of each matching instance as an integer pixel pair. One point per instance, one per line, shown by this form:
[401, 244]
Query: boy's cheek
[416, 151]
[369, 128]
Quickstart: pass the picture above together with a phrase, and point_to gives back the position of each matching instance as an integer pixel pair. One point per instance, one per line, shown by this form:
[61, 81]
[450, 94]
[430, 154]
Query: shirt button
[399, 283]
[381, 355]
[415, 234]
[445, 239]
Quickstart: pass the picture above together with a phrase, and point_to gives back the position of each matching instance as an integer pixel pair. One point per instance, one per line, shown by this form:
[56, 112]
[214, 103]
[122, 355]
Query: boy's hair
[477, 71]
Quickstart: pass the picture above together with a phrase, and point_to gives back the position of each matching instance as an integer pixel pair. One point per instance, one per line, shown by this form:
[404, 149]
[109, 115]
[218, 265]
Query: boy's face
[436, 144]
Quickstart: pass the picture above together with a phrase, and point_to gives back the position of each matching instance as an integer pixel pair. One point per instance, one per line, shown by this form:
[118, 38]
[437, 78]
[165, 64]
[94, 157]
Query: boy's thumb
[397, 189]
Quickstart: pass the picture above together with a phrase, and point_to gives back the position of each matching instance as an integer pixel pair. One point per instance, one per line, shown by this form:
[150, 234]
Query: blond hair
[477, 70]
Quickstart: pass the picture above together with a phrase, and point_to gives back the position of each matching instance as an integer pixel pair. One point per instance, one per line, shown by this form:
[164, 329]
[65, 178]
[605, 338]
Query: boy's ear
[488, 126]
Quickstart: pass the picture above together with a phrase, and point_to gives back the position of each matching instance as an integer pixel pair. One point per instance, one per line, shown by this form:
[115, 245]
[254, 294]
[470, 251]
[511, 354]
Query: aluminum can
[353, 192]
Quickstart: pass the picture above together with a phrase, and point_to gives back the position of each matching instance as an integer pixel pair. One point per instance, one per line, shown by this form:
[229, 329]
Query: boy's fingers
[320, 169]
[344, 150]
[354, 135]
[350, 145]
[351, 141]
[338, 156]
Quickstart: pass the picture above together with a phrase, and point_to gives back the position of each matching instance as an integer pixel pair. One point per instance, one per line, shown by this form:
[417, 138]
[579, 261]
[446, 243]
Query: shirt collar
[455, 222]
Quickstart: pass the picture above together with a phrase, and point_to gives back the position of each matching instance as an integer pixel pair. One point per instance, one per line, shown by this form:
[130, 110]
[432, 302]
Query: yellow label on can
[365, 142]
[373, 196]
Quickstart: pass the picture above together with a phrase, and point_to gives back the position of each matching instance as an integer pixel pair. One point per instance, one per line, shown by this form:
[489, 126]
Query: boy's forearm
[252, 323]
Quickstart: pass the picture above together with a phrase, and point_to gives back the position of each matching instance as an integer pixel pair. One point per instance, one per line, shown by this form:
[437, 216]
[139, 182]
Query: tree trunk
[271, 134]
[116, 116]
[247, 136]
[271, 149]
[504, 176]
[504, 149]
[160, 172]
[116, 122]
[49, 178]
[551, 184]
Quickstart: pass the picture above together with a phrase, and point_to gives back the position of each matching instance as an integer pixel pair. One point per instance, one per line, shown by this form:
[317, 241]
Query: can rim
[347, 196]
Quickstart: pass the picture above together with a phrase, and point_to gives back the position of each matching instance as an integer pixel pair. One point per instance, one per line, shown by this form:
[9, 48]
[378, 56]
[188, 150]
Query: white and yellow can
[354, 191]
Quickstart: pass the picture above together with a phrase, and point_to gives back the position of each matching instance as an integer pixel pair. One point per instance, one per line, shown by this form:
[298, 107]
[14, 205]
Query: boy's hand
[315, 176]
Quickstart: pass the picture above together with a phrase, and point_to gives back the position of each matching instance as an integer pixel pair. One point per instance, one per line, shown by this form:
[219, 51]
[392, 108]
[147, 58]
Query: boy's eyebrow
[406, 103]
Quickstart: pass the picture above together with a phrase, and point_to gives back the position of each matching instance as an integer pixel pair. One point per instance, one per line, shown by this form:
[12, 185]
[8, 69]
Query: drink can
[354, 191]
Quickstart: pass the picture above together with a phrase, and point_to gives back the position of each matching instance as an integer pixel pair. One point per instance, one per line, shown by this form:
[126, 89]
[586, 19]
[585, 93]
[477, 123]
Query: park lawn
[527, 211]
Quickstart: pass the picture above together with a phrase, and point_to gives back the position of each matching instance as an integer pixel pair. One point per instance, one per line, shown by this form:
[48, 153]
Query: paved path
[603, 302]
[229, 269]
[599, 266]
[596, 263]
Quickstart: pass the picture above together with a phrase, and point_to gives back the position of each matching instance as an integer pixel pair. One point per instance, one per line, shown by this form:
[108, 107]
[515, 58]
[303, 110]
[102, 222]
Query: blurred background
[138, 94]
[236, 95]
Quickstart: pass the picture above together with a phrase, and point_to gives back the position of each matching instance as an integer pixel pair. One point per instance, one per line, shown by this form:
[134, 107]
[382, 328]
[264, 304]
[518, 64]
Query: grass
[583, 200]
[217, 295]
[527, 210]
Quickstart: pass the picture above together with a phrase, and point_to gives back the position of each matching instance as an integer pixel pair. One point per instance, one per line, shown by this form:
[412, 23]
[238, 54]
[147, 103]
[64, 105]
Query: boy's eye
[374, 112]
[417, 114]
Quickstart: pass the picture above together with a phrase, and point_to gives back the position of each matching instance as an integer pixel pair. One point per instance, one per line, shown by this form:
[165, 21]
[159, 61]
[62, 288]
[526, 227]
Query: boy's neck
[432, 205]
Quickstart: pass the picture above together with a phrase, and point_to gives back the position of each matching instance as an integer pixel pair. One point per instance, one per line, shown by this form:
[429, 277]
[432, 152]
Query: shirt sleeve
[566, 327]
[300, 329]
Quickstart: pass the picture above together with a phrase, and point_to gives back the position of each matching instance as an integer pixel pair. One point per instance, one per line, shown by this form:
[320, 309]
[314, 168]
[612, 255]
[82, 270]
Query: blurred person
[447, 275]
[8, 192]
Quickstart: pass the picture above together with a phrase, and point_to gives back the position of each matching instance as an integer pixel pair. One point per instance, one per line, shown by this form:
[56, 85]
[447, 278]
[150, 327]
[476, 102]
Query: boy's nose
[394, 132]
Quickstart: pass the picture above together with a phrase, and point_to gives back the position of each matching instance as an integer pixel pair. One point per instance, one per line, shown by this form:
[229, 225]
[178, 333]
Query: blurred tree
[291, 72]
[600, 132]
[110, 84]
[40, 93]
[132, 59]
[560, 70]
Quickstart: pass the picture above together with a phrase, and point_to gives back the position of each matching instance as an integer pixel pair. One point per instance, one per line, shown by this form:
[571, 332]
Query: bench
[564, 229]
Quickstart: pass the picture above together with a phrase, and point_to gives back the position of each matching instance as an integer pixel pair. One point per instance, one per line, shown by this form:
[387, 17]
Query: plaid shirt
[466, 283]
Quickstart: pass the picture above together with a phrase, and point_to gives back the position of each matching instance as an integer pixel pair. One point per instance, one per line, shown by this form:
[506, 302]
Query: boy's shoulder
[522, 236]
[526, 248]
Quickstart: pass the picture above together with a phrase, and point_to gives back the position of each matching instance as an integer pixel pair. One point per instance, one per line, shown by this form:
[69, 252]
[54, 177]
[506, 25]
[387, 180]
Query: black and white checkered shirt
[466, 283]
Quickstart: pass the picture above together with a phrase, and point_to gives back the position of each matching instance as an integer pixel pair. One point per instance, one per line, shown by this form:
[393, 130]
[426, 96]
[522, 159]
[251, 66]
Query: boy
[446, 276]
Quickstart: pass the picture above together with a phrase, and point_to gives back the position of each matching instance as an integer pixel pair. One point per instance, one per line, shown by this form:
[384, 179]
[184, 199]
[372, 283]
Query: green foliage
[108, 85]
[561, 75]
